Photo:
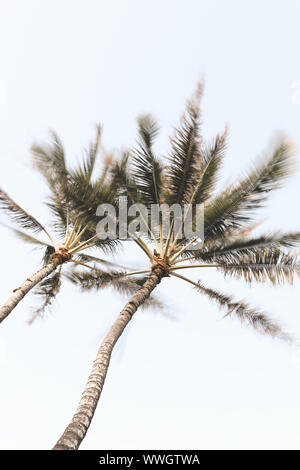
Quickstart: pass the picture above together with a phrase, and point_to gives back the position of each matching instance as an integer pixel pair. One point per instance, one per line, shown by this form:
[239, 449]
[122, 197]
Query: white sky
[194, 381]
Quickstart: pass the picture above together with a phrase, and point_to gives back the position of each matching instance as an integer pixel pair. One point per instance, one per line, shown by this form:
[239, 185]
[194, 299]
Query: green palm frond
[235, 206]
[108, 246]
[86, 196]
[99, 279]
[59, 209]
[47, 290]
[83, 257]
[17, 214]
[212, 157]
[89, 164]
[121, 180]
[146, 168]
[225, 249]
[49, 159]
[26, 237]
[85, 169]
[120, 177]
[94, 279]
[185, 156]
[264, 265]
[260, 321]
[148, 129]
[130, 286]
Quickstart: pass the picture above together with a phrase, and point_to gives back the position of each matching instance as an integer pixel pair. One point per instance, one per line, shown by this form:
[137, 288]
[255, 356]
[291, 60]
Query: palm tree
[74, 228]
[189, 176]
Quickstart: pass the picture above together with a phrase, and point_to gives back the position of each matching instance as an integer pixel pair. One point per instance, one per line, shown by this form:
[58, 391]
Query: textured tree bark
[77, 429]
[21, 291]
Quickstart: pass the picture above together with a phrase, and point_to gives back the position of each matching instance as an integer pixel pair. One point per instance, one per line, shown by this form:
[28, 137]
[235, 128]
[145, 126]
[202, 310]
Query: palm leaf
[86, 258]
[49, 159]
[120, 177]
[260, 321]
[17, 214]
[147, 170]
[98, 279]
[185, 155]
[89, 164]
[235, 206]
[226, 249]
[47, 290]
[85, 169]
[270, 264]
[212, 156]
[26, 237]
[59, 208]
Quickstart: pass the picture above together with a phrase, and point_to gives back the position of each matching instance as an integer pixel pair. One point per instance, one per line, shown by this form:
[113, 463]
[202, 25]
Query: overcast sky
[186, 378]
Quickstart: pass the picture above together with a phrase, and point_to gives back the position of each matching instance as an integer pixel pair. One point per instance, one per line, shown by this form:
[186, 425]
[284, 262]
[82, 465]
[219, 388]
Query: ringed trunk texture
[21, 291]
[77, 429]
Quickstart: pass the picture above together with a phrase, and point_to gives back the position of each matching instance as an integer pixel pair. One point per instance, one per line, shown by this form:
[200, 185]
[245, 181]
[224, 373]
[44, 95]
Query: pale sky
[184, 379]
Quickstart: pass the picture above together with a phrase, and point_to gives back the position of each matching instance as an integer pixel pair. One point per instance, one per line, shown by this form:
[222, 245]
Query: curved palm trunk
[21, 291]
[77, 429]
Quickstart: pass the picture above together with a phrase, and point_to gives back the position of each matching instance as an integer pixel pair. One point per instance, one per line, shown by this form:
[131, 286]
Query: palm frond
[212, 158]
[95, 279]
[49, 159]
[146, 168]
[59, 208]
[86, 196]
[89, 164]
[85, 169]
[17, 214]
[185, 155]
[264, 265]
[47, 290]
[86, 258]
[225, 249]
[119, 175]
[26, 237]
[260, 321]
[235, 205]
[98, 279]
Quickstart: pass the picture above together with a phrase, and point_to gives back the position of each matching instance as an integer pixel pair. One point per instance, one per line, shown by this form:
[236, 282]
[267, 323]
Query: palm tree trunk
[21, 291]
[77, 429]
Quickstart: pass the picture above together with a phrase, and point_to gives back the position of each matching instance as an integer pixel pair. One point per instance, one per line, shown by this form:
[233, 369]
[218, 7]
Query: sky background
[184, 378]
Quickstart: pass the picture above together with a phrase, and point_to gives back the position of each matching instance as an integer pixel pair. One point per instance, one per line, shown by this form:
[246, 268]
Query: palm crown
[74, 197]
[189, 175]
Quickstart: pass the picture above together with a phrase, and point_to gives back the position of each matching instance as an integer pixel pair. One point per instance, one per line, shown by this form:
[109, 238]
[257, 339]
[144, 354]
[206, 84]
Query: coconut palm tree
[189, 176]
[73, 228]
